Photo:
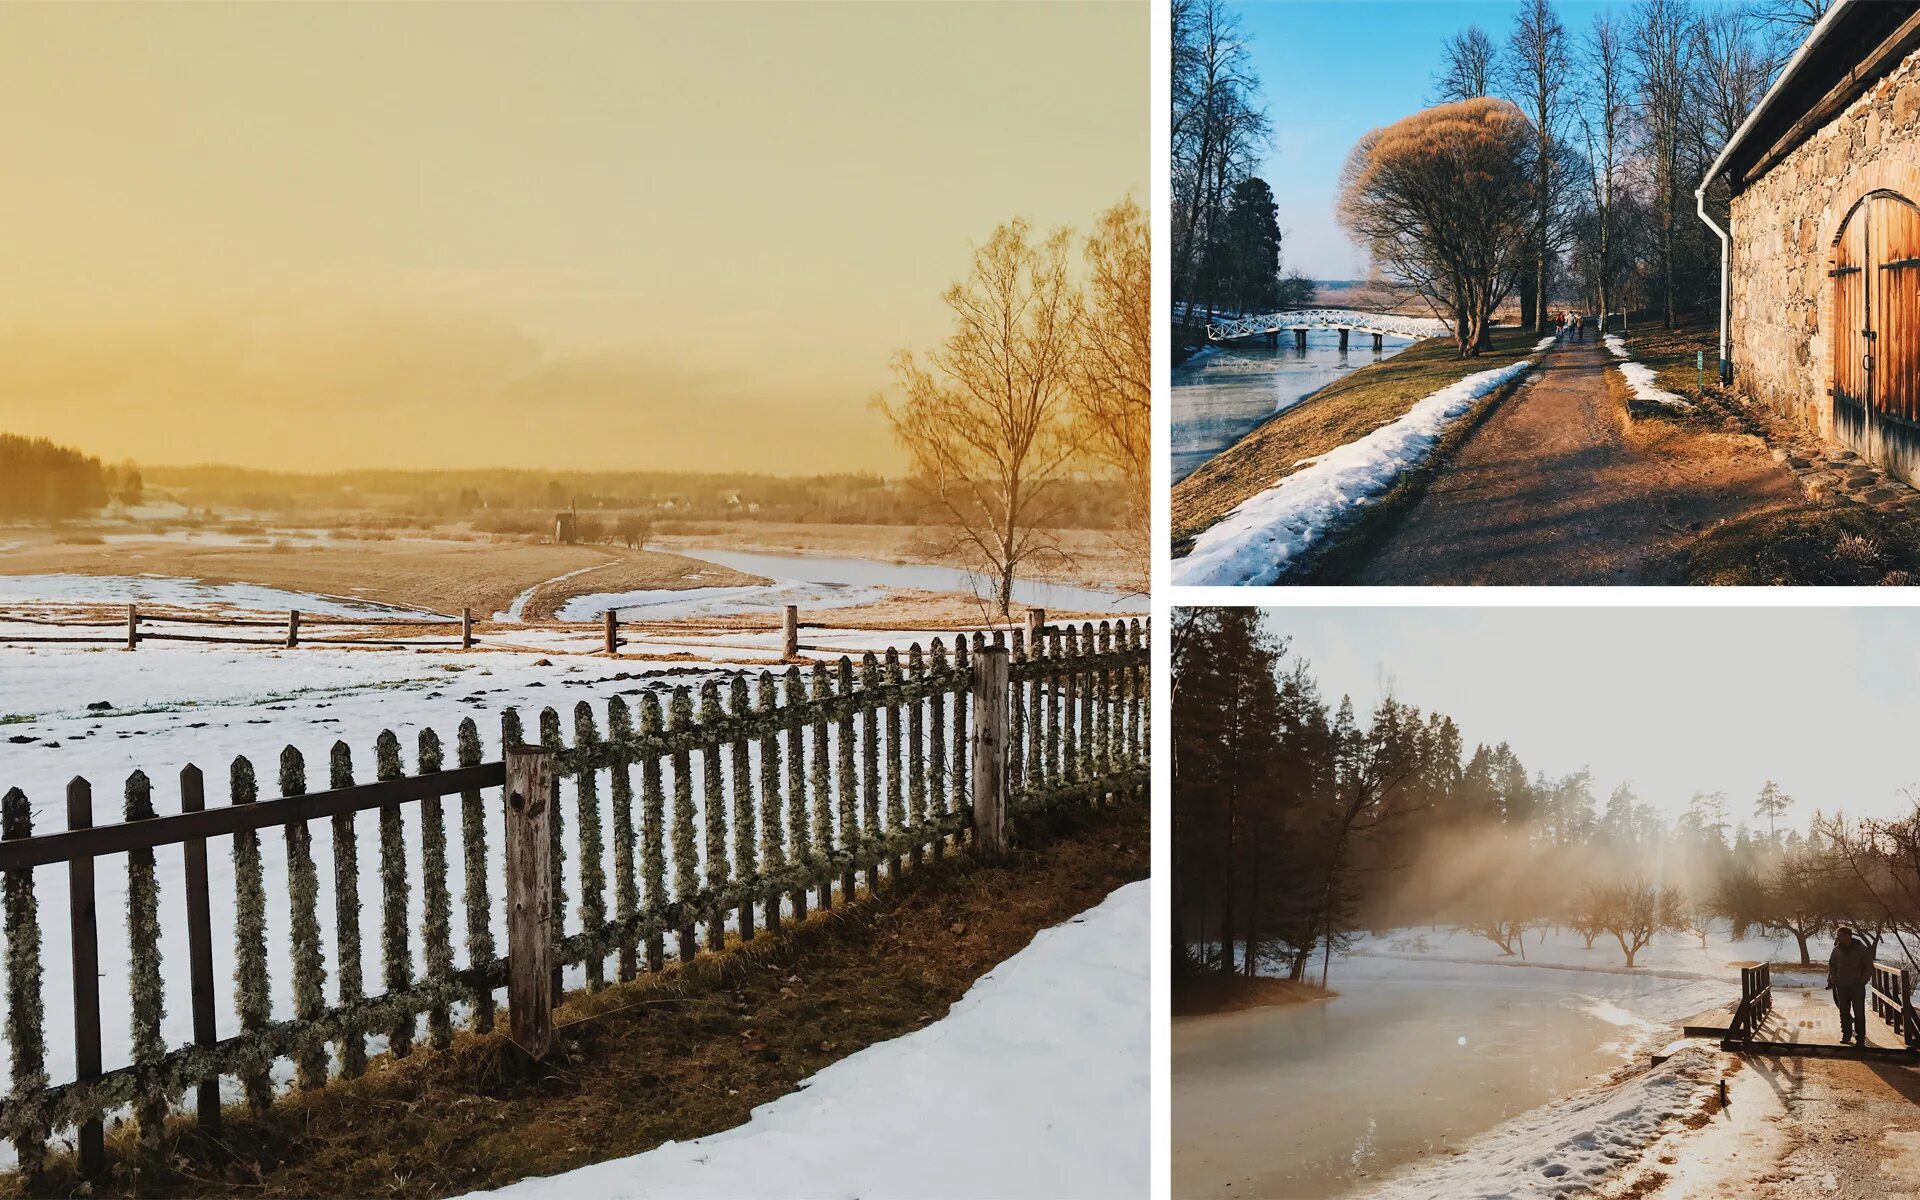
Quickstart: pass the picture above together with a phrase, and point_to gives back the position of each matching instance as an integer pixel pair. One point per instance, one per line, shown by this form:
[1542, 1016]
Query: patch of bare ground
[685, 1053]
[1347, 409]
[443, 576]
[1217, 993]
[1093, 557]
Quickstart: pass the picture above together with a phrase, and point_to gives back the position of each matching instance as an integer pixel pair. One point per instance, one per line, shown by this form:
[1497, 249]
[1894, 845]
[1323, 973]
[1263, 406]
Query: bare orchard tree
[1468, 61]
[1113, 376]
[1882, 861]
[987, 419]
[1634, 910]
[1444, 199]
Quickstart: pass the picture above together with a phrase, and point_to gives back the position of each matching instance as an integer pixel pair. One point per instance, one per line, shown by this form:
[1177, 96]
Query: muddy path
[1559, 486]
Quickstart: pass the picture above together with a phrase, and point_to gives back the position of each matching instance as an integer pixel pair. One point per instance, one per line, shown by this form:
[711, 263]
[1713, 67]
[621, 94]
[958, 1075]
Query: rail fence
[808, 782]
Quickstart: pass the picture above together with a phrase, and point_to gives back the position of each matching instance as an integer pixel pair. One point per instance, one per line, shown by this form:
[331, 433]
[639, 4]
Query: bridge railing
[1756, 1001]
[1891, 997]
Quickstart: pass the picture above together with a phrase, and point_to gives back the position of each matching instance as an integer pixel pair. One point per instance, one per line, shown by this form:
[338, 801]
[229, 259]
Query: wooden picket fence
[808, 781]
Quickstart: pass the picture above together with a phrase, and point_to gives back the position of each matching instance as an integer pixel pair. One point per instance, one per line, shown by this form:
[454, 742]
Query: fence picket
[846, 777]
[773, 855]
[396, 953]
[26, 1014]
[961, 799]
[713, 805]
[896, 762]
[346, 912]
[626, 880]
[436, 927]
[556, 839]
[937, 797]
[686, 859]
[740, 774]
[478, 902]
[303, 903]
[193, 798]
[145, 992]
[797, 789]
[916, 747]
[653, 846]
[819, 782]
[869, 761]
[84, 932]
[593, 874]
[251, 995]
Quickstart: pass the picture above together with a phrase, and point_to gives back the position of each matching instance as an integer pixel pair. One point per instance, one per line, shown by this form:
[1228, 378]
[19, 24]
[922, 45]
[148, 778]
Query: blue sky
[1821, 700]
[1333, 69]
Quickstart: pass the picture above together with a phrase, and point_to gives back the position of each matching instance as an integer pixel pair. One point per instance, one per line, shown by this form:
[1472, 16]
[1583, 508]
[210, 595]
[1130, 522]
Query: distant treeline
[819, 499]
[41, 479]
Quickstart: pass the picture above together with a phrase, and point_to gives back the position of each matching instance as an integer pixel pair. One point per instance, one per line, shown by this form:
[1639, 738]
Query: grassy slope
[1670, 352]
[1339, 413]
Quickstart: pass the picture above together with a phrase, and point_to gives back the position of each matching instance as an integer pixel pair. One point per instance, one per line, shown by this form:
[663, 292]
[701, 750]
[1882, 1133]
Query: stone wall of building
[1783, 234]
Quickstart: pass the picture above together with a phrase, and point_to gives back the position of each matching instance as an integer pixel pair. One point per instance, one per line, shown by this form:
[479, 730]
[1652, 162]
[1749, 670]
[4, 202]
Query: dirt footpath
[1560, 486]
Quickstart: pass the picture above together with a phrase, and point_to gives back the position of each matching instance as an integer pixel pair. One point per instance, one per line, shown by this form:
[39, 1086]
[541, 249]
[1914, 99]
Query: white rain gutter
[1815, 38]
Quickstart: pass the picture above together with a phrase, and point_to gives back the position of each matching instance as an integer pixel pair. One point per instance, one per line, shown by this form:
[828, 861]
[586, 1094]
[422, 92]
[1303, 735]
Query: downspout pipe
[1726, 265]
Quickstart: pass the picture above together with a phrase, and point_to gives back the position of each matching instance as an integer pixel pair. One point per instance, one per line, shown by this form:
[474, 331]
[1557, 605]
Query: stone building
[1821, 314]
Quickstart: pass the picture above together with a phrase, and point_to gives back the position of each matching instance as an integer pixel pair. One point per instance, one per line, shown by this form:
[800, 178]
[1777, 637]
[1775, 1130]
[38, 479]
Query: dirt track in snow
[1557, 486]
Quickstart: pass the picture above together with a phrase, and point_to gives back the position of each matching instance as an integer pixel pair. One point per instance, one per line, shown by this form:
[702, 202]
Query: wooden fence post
[84, 931]
[466, 629]
[293, 628]
[530, 899]
[193, 798]
[133, 626]
[1036, 625]
[790, 632]
[613, 633]
[990, 752]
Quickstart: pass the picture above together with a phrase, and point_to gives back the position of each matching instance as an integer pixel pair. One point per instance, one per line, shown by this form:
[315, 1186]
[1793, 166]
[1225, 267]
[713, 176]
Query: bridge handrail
[1756, 1001]
[1891, 995]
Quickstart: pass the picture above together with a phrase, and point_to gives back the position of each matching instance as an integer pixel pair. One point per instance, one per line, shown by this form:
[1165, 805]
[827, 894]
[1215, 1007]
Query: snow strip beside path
[1567, 1147]
[1639, 377]
[1045, 1060]
[1256, 542]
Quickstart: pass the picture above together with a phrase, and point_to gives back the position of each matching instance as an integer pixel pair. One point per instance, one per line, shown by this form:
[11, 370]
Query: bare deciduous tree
[1537, 70]
[1637, 909]
[1467, 64]
[1444, 199]
[1113, 375]
[988, 420]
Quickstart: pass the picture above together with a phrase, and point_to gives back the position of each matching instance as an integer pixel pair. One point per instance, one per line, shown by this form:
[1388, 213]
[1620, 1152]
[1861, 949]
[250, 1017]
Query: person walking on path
[1849, 968]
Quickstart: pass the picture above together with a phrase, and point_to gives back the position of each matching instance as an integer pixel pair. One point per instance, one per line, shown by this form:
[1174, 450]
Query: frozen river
[1221, 395]
[857, 572]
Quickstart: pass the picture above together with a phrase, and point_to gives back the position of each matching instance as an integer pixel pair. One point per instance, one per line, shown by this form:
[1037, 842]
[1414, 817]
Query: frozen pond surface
[856, 572]
[1409, 1062]
[1221, 395]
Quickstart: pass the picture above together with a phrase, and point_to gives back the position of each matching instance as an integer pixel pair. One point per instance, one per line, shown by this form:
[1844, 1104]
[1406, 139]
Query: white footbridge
[1344, 319]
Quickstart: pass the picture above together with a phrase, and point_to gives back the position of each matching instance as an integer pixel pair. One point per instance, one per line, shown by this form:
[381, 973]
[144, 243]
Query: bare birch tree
[987, 421]
[1113, 375]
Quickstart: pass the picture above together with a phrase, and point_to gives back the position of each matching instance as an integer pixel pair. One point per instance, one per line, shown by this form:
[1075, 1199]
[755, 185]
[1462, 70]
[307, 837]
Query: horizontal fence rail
[754, 801]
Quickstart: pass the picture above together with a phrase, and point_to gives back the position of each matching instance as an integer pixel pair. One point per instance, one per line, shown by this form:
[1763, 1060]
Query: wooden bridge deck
[1805, 1021]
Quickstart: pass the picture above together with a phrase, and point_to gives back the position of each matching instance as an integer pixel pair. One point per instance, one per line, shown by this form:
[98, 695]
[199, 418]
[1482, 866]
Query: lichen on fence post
[936, 797]
[1029, 695]
[1089, 767]
[436, 927]
[396, 955]
[144, 988]
[346, 911]
[916, 747]
[252, 996]
[556, 842]
[962, 748]
[686, 860]
[653, 828]
[746, 850]
[896, 759]
[303, 904]
[593, 873]
[26, 1010]
[1016, 749]
[821, 785]
[773, 849]
[846, 777]
[870, 760]
[713, 807]
[626, 883]
[473, 848]
[797, 809]
[1053, 753]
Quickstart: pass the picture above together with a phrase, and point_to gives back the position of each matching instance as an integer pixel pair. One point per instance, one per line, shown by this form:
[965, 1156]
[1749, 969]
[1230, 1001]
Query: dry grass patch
[1670, 352]
[1343, 411]
[686, 1053]
[1215, 993]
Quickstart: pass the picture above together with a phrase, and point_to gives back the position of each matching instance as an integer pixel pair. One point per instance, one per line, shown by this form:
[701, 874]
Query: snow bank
[1256, 542]
[1045, 1060]
[1567, 1147]
[1639, 377]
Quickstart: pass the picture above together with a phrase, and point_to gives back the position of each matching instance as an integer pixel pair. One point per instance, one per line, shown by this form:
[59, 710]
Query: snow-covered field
[1035, 1084]
[1640, 378]
[1258, 541]
[78, 590]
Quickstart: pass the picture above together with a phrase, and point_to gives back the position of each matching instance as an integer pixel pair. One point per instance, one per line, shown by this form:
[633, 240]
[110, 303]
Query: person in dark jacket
[1849, 968]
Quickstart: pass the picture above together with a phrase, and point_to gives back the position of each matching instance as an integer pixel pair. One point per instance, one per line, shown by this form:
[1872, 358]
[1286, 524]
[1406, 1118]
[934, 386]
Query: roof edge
[1815, 38]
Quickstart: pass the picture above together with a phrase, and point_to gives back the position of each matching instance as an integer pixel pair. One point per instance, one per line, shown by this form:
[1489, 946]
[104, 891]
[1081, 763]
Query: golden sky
[624, 236]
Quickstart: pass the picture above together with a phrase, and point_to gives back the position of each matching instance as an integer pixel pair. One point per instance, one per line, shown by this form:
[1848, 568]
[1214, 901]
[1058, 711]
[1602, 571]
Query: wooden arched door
[1876, 332]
